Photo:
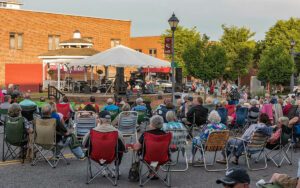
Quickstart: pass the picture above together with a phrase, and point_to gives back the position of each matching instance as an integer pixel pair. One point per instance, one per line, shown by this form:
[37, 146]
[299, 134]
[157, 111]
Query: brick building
[148, 45]
[24, 35]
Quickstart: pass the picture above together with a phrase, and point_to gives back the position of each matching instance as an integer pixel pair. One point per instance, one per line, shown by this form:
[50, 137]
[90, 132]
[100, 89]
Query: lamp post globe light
[294, 54]
[173, 21]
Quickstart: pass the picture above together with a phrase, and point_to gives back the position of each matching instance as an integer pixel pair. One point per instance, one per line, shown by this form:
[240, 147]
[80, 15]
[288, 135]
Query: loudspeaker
[120, 85]
[178, 75]
[87, 89]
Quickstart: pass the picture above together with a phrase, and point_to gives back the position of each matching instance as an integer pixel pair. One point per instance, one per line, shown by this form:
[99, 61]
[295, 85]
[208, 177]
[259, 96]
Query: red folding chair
[64, 109]
[104, 152]
[230, 109]
[156, 154]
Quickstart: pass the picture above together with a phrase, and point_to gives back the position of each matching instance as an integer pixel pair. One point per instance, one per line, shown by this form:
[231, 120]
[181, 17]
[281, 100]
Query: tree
[239, 49]
[275, 65]
[183, 36]
[205, 61]
[282, 32]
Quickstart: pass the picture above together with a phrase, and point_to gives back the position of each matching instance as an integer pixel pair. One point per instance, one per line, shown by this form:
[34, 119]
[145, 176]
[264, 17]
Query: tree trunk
[239, 81]
[205, 87]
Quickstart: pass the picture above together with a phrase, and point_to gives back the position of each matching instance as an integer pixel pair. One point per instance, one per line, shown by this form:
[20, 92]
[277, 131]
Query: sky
[150, 17]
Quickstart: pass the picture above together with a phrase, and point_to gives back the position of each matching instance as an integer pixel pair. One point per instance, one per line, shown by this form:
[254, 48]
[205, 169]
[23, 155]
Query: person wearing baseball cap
[235, 178]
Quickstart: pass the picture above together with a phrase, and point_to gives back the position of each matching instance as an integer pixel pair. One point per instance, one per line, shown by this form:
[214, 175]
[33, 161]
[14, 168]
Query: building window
[153, 52]
[115, 42]
[20, 41]
[139, 50]
[53, 42]
[15, 41]
[12, 41]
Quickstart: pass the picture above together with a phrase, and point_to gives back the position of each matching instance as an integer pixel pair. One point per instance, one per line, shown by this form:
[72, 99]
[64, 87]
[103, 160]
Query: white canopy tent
[121, 56]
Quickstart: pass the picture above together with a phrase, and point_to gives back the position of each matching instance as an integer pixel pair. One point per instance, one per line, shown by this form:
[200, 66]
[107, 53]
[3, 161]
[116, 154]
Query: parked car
[163, 83]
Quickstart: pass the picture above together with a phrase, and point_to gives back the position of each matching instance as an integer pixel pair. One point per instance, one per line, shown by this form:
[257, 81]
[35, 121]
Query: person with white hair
[214, 125]
[155, 128]
[283, 127]
[253, 112]
[28, 102]
[110, 106]
[140, 106]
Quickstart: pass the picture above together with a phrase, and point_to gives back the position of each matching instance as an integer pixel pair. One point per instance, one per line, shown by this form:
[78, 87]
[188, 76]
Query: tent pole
[92, 74]
[58, 75]
[85, 74]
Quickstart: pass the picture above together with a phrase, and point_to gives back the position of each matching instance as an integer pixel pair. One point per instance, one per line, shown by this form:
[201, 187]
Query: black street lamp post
[173, 21]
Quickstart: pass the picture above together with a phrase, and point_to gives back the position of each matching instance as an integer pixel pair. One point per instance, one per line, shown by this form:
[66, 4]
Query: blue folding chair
[83, 123]
[222, 111]
[241, 120]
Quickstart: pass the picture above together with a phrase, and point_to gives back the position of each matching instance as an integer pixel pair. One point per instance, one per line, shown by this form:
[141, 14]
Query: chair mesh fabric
[14, 131]
[292, 112]
[64, 109]
[113, 113]
[45, 130]
[127, 124]
[217, 140]
[223, 114]
[84, 125]
[241, 116]
[157, 148]
[28, 112]
[103, 146]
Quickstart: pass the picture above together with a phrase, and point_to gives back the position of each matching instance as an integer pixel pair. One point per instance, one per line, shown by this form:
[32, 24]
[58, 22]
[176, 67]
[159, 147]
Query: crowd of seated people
[187, 111]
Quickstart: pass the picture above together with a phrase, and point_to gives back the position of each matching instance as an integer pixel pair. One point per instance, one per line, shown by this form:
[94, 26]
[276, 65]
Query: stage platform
[101, 98]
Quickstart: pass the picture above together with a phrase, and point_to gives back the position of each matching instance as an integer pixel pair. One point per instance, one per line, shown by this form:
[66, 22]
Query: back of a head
[65, 99]
[46, 110]
[110, 101]
[264, 118]
[284, 121]
[139, 101]
[92, 99]
[89, 108]
[42, 99]
[27, 96]
[208, 100]
[253, 102]
[241, 101]
[126, 107]
[214, 117]
[167, 100]
[171, 116]
[157, 121]
[200, 100]
[105, 117]
[14, 110]
[170, 106]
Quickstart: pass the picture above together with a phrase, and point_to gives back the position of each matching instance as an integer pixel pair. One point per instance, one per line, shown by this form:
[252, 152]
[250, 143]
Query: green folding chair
[113, 113]
[142, 114]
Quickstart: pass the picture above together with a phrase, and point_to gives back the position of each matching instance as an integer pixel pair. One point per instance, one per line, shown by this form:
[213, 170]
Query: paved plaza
[14, 174]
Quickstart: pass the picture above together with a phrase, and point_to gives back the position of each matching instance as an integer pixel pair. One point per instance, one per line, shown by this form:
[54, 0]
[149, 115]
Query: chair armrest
[241, 139]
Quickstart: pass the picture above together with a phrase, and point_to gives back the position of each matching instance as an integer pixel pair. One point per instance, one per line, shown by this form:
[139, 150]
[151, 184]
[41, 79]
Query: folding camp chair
[28, 112]
[84, 123]
[255, 145]
[230, 109]
[216, 141]
[253, 115]
[281, 150]
[128, 123]
[15, 137]
[104, 152]
[178, 146]
[45, 143]
[241, 120]
[155, 156]
[113, 113]
[222, 111]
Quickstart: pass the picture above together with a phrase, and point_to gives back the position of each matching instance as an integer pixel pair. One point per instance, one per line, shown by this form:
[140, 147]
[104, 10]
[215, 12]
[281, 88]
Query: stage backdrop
[28, 76]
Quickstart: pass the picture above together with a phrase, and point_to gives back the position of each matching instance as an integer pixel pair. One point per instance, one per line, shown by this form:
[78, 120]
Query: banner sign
[64, 69]
[168, 45]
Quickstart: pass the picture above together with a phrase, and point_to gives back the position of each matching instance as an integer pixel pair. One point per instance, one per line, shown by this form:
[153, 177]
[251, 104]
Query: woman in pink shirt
[1, 97]
[283, 126]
